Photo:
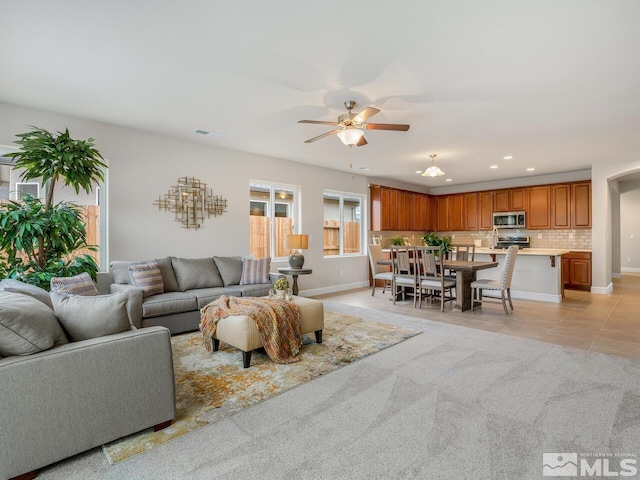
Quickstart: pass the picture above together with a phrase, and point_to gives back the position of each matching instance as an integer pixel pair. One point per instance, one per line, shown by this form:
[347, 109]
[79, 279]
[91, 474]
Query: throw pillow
[91, 317]
[120, 270]
[27, 325]
[78, 285]
[255, 271]
[16, 286]
[196, 273]
[230, 269]
[148, 277]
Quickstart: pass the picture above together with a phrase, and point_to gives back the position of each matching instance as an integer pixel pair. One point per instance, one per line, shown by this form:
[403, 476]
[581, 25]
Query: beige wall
[144, 165]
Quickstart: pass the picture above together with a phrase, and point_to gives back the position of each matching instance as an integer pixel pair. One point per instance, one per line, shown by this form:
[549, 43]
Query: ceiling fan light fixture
[433, 170]
[350, 136]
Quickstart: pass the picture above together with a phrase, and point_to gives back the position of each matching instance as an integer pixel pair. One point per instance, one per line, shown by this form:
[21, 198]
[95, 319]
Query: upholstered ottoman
[241, 332]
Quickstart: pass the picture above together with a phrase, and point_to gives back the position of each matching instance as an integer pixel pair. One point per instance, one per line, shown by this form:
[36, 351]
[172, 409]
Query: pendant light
[433, 170]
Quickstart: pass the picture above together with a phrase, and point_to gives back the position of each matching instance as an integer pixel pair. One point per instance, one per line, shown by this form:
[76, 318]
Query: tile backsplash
[579, 239]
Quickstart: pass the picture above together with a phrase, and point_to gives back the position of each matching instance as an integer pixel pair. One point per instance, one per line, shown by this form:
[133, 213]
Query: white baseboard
[629, 270]
[539, 297]
[602, 290]
[333, 289]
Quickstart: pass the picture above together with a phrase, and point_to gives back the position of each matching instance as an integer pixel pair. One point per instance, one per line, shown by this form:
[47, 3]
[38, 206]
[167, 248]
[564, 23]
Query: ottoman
[241, 332]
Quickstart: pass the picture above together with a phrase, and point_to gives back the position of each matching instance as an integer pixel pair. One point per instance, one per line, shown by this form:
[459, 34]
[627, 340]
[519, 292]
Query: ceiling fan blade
[366, 113]
[386, 126]
[362, 142]
[332, 132]
[319, 122]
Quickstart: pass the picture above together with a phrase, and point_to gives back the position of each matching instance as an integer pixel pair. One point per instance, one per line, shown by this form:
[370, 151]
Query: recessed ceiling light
[449, 180]
[508, 157]
[530, 169]
[493, 166]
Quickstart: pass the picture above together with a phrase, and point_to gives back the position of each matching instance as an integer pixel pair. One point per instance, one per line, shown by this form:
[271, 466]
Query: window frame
[295, 209]
[363, 221]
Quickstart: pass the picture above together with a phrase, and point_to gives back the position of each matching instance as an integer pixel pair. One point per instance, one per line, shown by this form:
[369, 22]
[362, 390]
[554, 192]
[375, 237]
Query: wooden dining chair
[430, 268]
[404, 275]
[503, 285]
[378, 272]
[461, 251]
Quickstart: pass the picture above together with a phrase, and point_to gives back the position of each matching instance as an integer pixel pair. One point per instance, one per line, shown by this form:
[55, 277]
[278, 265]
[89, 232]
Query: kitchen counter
[526, 251]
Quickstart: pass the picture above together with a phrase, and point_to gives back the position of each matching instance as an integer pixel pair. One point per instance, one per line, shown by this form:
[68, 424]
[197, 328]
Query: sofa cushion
[94, 316]
[168, 275]
[148, 277]
[168, 303]
[196, 273]
[27, 325]
[120, 270]
[16, 286]
[230, 269]
[255, 290]
[78, 285]
[208, 295]
[255, 271]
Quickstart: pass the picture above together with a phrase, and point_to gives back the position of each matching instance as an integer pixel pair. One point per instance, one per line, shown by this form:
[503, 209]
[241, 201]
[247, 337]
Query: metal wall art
[190, 200]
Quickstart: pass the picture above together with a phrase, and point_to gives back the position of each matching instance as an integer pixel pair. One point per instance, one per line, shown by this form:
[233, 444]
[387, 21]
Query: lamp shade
[350, 136]
[296, 241]
[432, 171]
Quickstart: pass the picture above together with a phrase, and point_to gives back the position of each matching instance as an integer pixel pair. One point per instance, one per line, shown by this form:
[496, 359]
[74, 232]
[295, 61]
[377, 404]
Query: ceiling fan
[352, 125]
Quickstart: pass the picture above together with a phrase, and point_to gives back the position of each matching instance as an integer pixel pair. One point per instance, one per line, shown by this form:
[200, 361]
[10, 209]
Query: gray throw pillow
[16, 286]
[27, 325]
[196, 273]
[91, 317]
[230, 269]
[120, 270]
[168, 275]
[255, 271]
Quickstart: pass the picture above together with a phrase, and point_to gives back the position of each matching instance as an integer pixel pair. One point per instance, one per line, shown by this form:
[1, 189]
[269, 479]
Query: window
[343, 231]
[267, 229]
[27, 188]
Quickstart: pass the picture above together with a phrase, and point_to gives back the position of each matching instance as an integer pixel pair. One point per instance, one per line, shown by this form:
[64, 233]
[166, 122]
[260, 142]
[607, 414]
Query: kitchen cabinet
[576, 270]
[470, 211]
[581, 205]
[509, 200]
[400, 210]
[485, 212]
[456, 212]
[443, 213]
[538, 213]
[560, 206]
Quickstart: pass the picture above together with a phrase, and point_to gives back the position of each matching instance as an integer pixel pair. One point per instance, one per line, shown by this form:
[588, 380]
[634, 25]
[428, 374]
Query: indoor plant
[432, 240]
[396, 241]
[38, 240]
[282, 284]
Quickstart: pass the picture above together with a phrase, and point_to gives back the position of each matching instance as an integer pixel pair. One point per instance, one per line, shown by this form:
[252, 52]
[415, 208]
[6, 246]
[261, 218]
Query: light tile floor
[599, 323]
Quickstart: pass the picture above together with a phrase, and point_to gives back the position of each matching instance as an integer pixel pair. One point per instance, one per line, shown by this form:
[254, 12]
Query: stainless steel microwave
[509, 220]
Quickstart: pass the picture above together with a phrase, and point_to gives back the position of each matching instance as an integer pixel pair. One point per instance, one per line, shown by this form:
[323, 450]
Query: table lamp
[296, 242]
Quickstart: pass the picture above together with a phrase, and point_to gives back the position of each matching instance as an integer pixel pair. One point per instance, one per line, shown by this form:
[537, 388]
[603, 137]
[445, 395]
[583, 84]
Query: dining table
[465, 271]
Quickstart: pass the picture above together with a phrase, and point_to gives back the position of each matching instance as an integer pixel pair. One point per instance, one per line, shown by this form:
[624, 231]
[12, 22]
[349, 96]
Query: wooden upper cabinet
[400, 210]
[581, 205]
[393, 209]
[470, 211]
[443, 213]
[560, 206]
[517, 199]
[375, 202]
[501, 201]
[539, 201]
[456, 212]
[485, 210]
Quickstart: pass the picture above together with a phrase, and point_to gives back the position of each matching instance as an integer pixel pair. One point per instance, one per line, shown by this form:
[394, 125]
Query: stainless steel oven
[509, 220]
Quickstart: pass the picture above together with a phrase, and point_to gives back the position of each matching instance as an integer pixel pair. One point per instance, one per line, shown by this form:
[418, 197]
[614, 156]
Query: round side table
[294, 272]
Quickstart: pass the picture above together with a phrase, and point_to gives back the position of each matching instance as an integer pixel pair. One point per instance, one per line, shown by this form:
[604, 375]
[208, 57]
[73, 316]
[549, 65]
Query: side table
[294, 272]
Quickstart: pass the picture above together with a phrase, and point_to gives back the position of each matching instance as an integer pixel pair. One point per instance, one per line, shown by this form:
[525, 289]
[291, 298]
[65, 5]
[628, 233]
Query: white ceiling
[553, 83]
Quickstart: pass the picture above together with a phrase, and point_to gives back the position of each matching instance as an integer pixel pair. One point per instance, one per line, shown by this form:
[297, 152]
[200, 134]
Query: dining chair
[378, 272]
[462, 251]
[404, 275]
[430, 268]
[504, 284]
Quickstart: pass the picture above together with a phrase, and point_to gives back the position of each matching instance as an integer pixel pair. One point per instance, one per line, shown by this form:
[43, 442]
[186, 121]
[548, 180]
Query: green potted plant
[38, 240]
[432, 240]
[396, 241]
[282, 284]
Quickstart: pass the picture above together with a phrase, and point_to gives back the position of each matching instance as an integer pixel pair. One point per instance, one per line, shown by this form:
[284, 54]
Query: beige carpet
[212, 386]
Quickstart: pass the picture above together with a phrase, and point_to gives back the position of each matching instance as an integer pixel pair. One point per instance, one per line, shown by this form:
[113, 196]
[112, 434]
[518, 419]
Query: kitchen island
[537, 273]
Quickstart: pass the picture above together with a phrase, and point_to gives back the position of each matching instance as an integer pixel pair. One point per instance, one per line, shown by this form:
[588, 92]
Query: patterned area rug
[210, 387]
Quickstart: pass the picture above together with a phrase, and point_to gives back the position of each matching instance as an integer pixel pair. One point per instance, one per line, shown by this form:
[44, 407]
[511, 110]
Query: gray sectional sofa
[60, 396]
[189, 285]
